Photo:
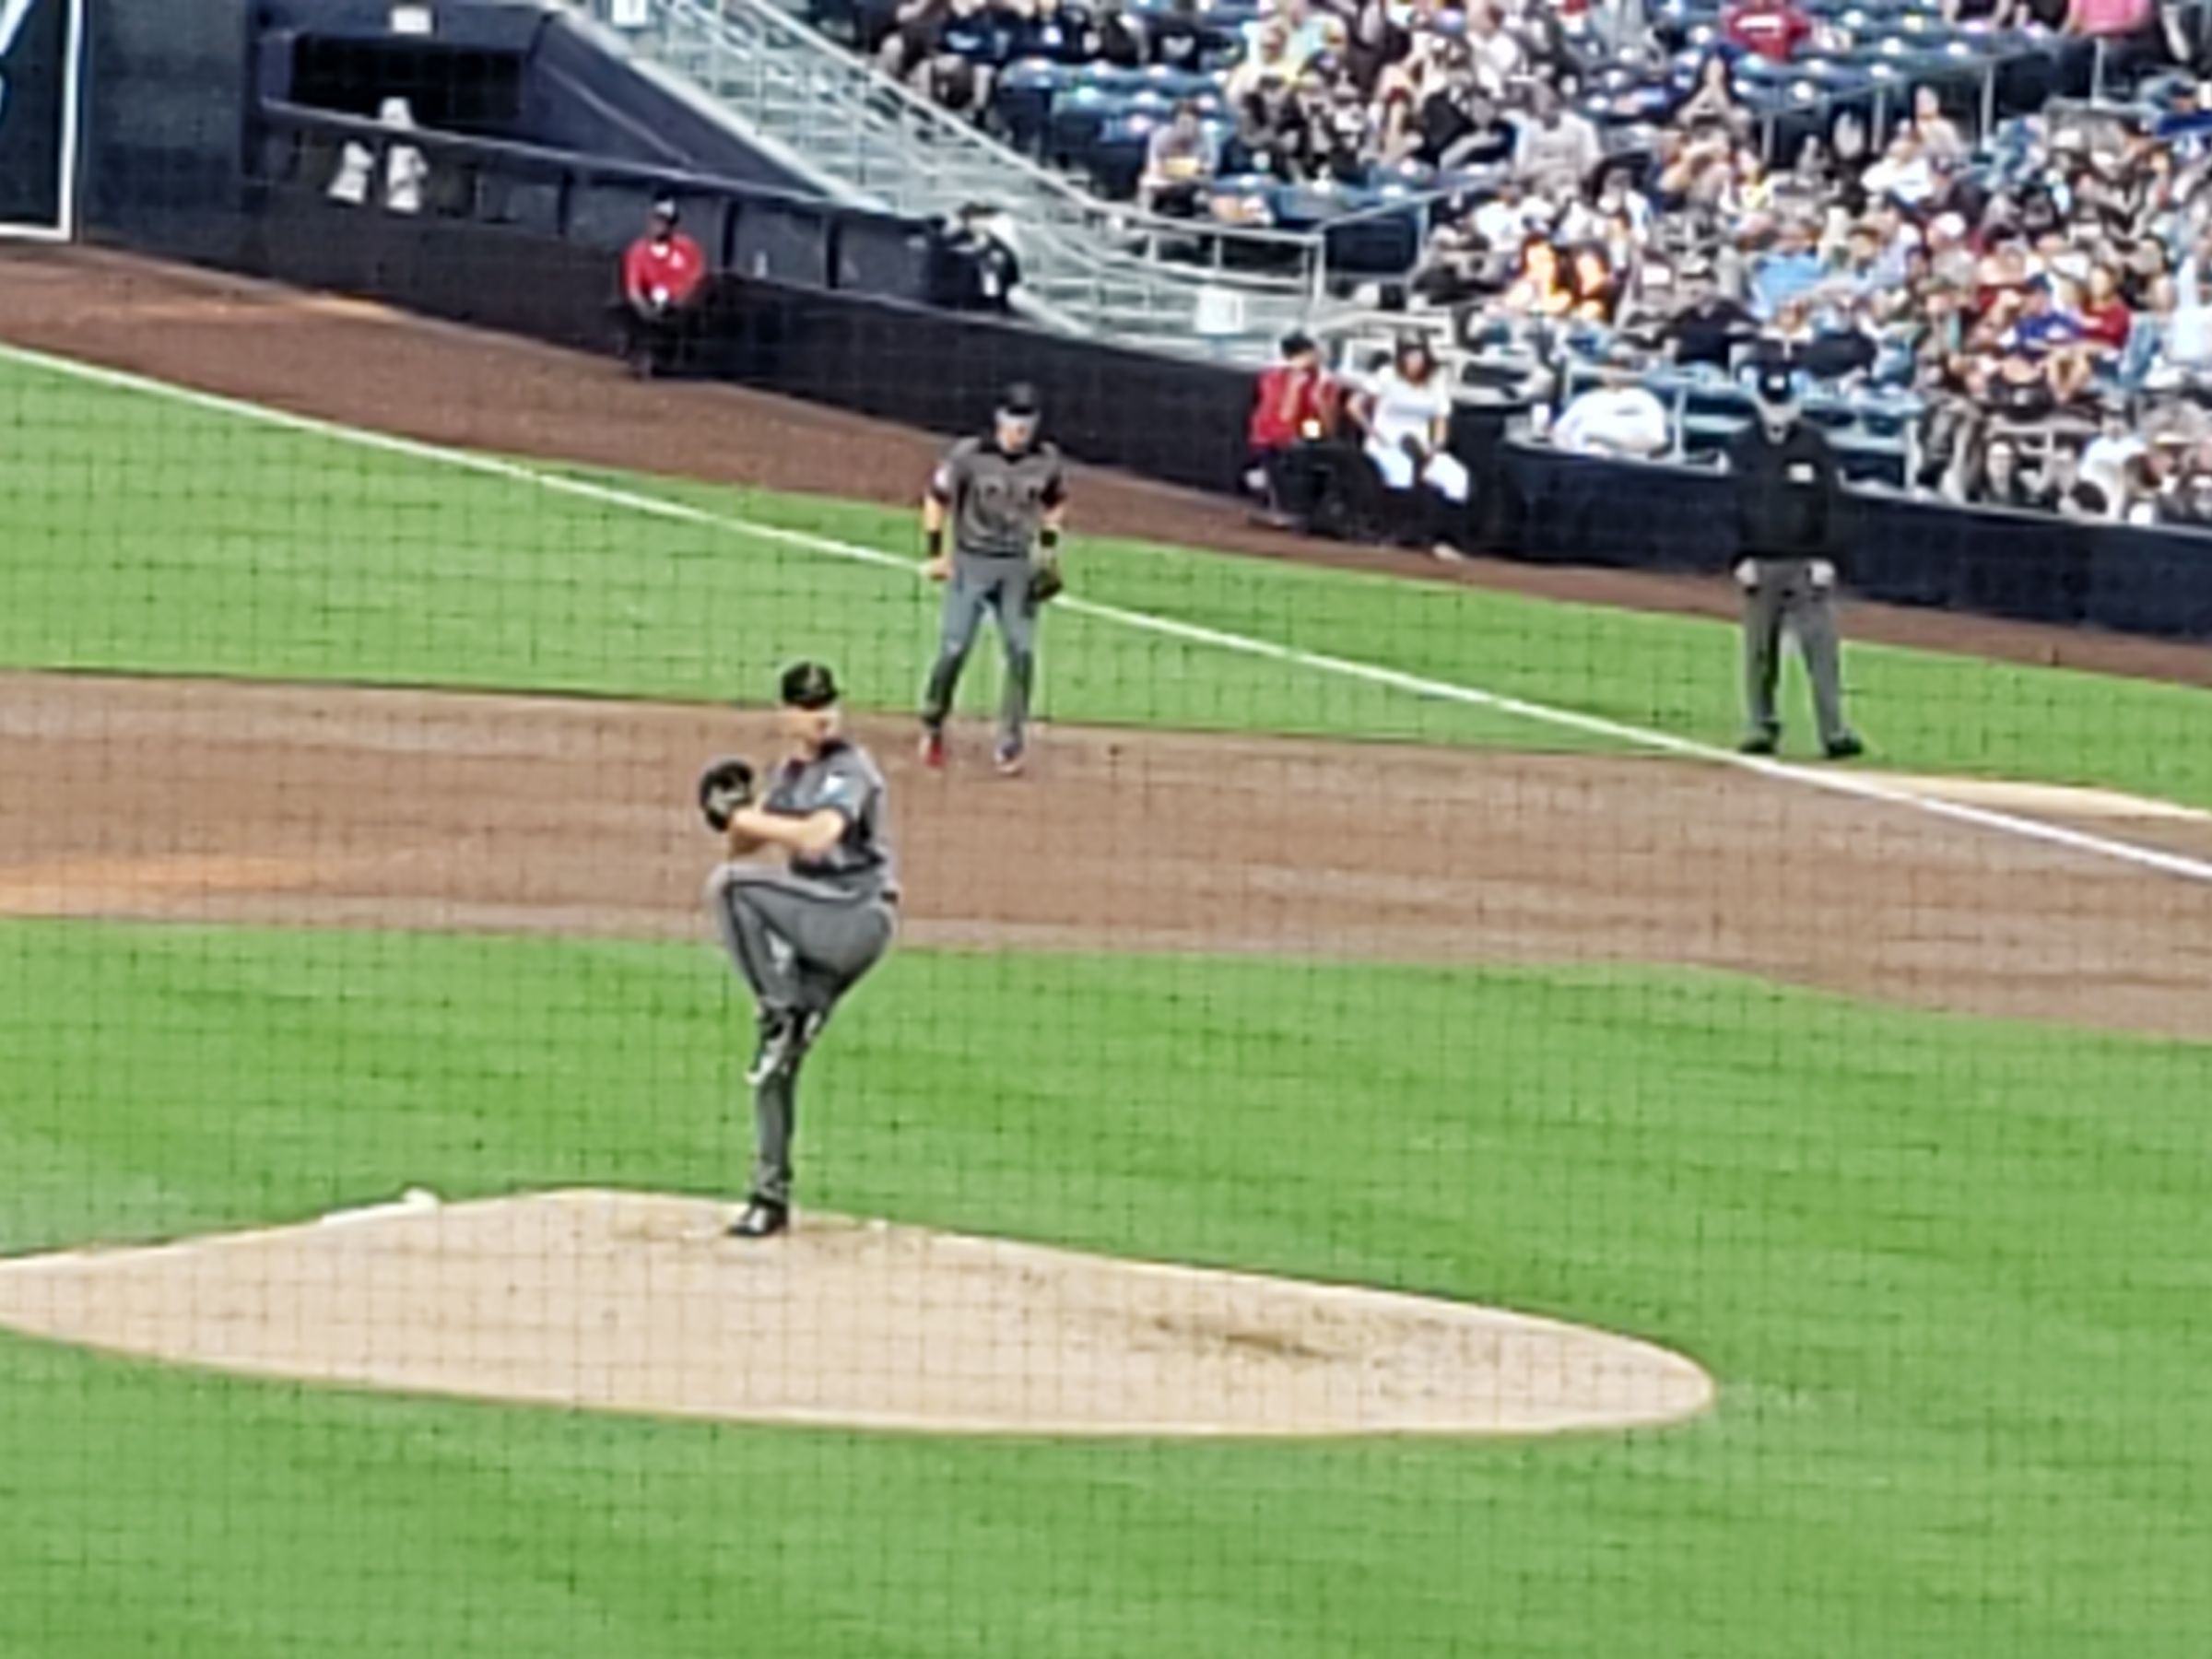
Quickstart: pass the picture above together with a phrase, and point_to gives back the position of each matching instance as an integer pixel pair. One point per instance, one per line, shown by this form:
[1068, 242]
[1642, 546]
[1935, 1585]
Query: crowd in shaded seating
[1991, 287]
[2021, 322]
[1293, 113]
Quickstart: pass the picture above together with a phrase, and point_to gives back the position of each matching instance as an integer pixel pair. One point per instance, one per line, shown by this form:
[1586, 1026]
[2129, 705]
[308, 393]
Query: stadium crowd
[2035, 302]
[2032, 298]
[2039, 301]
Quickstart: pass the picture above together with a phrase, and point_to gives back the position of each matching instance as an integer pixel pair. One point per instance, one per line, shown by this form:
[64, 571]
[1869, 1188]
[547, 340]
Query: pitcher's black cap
[1020, 402]
[809, 686]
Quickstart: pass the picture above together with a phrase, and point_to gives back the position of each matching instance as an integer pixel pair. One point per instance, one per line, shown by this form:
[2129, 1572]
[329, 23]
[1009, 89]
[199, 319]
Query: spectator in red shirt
[663, 274]
[1773, 28]
[2105, 319]
[1293, 415]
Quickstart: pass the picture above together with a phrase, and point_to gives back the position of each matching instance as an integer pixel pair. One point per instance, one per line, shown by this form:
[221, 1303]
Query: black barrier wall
[2029, 567]
[1179, 421]
[497, 71]
[165, 126]
[489, 193]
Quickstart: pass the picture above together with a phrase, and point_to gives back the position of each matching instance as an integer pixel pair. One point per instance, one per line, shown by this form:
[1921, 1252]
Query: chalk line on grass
[1860, 787]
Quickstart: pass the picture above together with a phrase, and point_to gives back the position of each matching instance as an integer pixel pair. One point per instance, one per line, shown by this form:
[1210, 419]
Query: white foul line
[1840, 782]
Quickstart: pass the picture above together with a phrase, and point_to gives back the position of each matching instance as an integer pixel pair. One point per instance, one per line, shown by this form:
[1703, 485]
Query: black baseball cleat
[1009, 761]
[1758, 743]
[1846, 747]
[760, 1219]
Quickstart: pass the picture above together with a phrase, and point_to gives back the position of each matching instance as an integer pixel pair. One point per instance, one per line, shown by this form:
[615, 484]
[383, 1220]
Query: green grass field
[1960, 1369]
[1950, 1274]
[153, 536]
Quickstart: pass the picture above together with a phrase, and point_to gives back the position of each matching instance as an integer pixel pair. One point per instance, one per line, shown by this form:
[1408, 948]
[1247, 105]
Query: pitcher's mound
[621, 1301]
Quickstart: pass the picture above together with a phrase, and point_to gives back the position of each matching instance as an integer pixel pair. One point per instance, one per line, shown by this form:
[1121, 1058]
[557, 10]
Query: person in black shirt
[1458, 125]
[1709, 329]
[1274, 132]
[1044, 28]
[2003, 482]
[2189, 503]
[2018, 391]
[972, 267]
[2062, 489]
[1454, 269]
[1109, 37]
[1788, 516]
[1175, 37]
[1373, 41]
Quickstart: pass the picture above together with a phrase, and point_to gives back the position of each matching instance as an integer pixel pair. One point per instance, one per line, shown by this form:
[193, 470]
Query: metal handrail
[1412, 202]
[1004, 159]
[560, 164]
[1106, 266]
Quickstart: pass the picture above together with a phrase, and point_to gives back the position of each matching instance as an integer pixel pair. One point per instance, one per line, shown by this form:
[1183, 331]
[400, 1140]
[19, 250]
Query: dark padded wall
[165, 121]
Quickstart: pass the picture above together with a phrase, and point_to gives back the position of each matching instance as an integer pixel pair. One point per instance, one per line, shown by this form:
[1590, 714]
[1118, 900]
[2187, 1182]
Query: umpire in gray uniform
[1788, 489]
[1004, 496]
[802, 934]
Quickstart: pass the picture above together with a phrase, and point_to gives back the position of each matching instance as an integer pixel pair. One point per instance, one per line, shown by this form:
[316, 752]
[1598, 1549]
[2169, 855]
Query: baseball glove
[1046, 584]
[725, 786]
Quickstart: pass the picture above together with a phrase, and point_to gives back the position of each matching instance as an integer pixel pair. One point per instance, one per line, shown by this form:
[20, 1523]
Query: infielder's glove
[724, 787]
[1046, 583]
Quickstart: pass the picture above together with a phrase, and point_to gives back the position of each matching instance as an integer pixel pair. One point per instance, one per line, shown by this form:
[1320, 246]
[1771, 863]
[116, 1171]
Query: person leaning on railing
[1180, 160]
[973, 263]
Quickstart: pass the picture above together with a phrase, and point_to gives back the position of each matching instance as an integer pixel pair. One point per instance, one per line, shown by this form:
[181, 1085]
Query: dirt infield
[624, 1302]
[344, 360]
[328, 806]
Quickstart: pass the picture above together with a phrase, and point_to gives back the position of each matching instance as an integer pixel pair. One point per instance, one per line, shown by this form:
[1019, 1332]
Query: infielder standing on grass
[1787, 515]
[1003, 498]
[801, 933]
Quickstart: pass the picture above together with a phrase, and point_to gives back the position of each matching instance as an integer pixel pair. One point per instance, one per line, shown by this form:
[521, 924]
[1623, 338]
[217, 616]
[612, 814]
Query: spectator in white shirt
[1502, 219]
[1496, 56]
[1558, 148]
[1620, 417]
[2109, 458]
[1407, 409]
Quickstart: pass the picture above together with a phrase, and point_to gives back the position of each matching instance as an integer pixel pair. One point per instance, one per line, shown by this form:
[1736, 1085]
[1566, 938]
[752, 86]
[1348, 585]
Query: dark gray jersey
[842, 779]
[999, 501]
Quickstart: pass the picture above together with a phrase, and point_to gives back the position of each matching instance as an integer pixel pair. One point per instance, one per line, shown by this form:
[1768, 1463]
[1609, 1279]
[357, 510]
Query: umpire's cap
[1775, 386]
[809, 686]
[1020, 402]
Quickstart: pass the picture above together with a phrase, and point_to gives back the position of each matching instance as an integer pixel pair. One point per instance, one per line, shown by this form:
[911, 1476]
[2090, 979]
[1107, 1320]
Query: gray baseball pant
[1786, 599]
[1002, 588]
[801, 945]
